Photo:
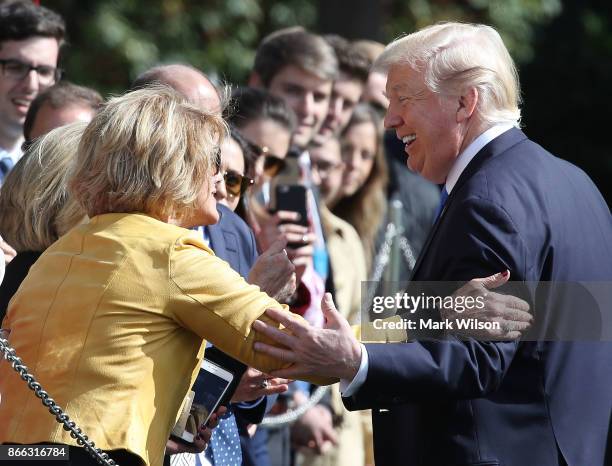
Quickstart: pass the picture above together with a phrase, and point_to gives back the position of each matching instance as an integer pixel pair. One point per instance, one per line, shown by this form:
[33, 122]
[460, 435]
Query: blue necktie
[443, 198]
[6, 163]
[224, 448]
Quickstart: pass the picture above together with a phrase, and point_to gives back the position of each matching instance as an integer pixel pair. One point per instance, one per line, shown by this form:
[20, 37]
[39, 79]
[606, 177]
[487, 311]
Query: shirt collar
[14, 154]
[204, 232]
[470, 152]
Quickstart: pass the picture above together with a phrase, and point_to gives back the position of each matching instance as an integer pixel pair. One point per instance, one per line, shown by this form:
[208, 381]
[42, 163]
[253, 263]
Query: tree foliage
[563, 48]
[112, 41]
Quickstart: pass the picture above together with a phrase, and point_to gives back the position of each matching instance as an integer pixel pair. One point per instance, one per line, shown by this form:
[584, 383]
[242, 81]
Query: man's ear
[467, 104]
[255, 80]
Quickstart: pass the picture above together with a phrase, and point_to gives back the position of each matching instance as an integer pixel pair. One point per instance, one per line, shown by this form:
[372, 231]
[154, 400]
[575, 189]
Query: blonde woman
[113, 316]
[35, 205]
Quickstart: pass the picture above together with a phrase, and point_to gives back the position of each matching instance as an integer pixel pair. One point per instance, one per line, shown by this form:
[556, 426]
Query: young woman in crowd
[362, 201]
[237, 158]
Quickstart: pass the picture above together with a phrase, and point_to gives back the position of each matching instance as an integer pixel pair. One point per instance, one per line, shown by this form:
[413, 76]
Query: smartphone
[218, 357]
[292, 197]
[209, 389]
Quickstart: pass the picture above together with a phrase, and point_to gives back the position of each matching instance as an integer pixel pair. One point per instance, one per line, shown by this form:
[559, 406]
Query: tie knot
[6, 163]
[443, 198]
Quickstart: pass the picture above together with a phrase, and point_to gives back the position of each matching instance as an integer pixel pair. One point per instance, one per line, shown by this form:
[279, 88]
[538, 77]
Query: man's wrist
[354, 362]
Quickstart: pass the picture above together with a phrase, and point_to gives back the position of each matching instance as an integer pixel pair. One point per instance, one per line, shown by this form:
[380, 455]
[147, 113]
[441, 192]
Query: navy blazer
[233, 241]
[536, 403]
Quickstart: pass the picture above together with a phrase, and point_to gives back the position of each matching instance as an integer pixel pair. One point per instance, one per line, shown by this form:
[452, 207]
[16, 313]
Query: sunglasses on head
[235, 183]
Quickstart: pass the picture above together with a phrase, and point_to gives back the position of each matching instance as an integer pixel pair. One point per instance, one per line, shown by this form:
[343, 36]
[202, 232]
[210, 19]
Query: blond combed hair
[36, 207]
[147, 151]
[455, 57]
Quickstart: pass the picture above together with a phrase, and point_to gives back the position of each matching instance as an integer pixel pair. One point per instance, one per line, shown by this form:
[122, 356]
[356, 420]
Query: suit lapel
[497, 146]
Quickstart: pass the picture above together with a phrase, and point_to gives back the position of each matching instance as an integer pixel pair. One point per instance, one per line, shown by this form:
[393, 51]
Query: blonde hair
[454, 57]
[36, 207]
[148, 151]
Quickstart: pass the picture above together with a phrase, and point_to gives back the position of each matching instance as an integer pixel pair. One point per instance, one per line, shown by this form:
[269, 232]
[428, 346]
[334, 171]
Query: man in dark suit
[507, 204]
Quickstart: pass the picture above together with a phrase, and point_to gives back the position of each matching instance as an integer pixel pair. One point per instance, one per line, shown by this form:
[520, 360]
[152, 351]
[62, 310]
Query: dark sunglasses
[235, 183]
[272, 163]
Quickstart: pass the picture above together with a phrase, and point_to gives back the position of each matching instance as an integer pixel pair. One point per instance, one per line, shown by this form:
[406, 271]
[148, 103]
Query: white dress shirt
[348, 388]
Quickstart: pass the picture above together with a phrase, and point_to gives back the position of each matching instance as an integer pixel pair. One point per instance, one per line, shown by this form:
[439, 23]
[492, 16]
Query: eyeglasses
[272, 163]
[17, 70]
[235, 183]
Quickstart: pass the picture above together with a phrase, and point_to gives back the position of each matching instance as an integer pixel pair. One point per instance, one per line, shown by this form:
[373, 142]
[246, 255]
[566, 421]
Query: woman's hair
[249, 157]
[249, 104]
[36, 207]
[454, 57]
[147, 151]
[247, 150]
[366, 208]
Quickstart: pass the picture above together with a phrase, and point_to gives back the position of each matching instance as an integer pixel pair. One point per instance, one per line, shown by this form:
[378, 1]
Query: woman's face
[359, 147]
[232, 164]
[205, 211]
[268, 135]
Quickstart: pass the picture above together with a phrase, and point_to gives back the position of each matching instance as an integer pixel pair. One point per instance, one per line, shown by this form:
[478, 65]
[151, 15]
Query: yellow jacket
[111, 320]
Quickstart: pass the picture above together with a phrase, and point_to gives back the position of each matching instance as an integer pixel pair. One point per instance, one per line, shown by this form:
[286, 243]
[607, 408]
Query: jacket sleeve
[486, 242]
[216, 303]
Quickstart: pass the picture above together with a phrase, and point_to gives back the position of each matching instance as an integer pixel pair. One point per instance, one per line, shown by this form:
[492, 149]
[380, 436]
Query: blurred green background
[563, 49]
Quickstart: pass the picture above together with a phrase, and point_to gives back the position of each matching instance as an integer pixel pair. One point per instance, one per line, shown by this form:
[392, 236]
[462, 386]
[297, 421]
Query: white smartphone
[210, 387]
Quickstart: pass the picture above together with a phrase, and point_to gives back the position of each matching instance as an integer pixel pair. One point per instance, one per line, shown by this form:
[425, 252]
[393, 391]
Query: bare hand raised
[274, 273]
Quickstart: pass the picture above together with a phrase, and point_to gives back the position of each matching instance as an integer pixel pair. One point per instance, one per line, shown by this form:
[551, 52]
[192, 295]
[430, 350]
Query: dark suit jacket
[505, 403]
[233, 241]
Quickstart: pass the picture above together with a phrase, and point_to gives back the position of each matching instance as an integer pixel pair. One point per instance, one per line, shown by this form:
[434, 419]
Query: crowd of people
[142, 229]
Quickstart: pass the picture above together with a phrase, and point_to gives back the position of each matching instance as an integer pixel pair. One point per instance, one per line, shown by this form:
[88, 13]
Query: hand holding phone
[292, 198]
[201, 440]
[208, 391]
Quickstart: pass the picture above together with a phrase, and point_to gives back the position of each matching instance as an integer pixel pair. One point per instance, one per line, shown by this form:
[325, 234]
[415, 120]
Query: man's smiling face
[424, 121]
[308, 95]
[16, 95]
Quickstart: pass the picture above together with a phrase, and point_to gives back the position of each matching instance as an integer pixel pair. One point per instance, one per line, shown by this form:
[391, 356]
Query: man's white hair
[456, 56]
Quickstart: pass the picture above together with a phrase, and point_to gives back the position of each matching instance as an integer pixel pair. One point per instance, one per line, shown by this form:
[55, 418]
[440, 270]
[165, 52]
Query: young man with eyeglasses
[30, 40]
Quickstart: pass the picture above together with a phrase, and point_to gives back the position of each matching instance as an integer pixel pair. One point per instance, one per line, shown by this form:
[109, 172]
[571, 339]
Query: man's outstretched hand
[331, 351]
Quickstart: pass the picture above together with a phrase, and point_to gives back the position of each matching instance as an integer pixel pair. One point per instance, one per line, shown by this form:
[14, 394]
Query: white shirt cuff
[249, 404]
[349, 387]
